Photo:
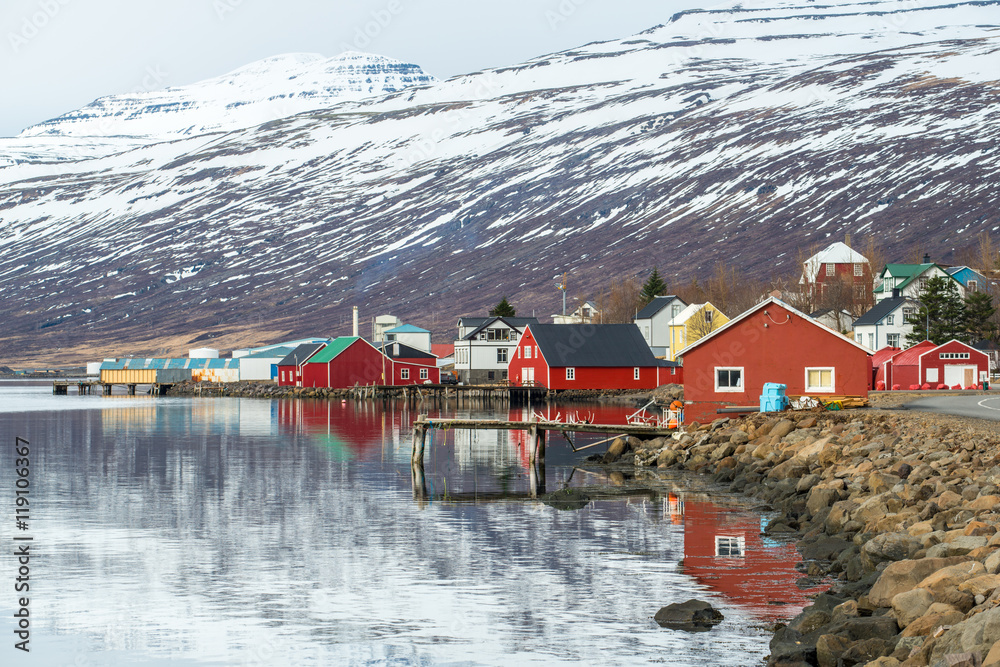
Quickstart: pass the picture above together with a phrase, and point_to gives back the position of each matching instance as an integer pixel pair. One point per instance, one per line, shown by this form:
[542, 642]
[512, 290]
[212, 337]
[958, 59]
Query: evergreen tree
[653, 287]
[503, 309]
[941, 308]
[979, 312]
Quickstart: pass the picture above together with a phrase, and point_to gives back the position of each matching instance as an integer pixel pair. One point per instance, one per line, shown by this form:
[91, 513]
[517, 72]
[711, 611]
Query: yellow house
[692, 323]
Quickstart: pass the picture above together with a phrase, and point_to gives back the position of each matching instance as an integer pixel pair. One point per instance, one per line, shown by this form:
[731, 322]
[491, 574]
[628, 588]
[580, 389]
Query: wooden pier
[537, 435]
[463, 394]
[61, 387]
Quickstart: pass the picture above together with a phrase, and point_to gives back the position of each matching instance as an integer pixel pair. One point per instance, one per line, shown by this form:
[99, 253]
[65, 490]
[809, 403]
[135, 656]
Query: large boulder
[887, 548]
[691, 616]
[975, 635]
[904, 575]
[911, 605]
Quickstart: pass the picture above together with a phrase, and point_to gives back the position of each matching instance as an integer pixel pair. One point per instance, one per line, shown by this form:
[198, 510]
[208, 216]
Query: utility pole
[562, 287]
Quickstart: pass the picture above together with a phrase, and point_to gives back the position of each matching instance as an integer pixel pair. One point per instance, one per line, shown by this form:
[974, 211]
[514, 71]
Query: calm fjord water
[256, 532]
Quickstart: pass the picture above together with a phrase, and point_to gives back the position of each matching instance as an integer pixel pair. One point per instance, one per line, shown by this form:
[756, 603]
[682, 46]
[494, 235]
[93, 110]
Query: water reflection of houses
[725, 550]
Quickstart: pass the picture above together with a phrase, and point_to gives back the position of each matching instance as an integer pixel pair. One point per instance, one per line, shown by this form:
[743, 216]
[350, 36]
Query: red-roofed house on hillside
[771, 342]
[953, 364]
[588, 356]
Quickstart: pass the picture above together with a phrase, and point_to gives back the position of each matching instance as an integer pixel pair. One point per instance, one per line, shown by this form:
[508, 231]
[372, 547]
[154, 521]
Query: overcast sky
[58, 55]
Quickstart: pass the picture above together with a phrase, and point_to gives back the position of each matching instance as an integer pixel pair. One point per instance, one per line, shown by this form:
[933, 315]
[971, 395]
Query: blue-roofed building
[972, 280]
[410, 335]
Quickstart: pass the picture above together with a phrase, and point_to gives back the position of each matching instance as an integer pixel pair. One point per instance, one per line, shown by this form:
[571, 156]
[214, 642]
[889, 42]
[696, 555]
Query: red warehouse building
[953, 364]
[290, 368]
[588, 356]
[771, 342]
[350, 361]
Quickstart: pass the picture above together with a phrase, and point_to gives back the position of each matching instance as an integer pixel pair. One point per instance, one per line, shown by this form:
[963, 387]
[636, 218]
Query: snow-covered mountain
[738, 135]
[262, 91]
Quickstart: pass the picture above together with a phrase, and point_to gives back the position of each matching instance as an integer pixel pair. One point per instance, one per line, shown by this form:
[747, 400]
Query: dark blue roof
[589, 345]
[880, 310]
[656, 305]
[301, 354]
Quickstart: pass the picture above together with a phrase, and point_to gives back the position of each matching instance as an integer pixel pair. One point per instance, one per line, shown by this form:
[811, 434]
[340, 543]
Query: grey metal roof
[656, 305]
[587, 345]
[405, 351]
[880, 310]
[301, 354]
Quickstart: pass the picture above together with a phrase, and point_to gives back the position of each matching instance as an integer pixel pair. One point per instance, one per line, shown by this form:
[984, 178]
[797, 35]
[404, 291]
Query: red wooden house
[350, 361]
[290, 368]
[836, 263]
[410, 365]
[588, 356]
[953, 364]
[771, 342]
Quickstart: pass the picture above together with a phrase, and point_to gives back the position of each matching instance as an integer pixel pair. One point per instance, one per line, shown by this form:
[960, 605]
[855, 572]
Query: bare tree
[620, 301]
[703, 322]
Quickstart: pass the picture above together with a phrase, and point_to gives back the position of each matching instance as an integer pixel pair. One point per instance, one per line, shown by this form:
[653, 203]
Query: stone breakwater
[900, 511]
[253, 390]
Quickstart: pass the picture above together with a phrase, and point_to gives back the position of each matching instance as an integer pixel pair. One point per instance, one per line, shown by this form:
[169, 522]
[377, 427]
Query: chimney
[355, 329]
[927, 258]
[895, 292]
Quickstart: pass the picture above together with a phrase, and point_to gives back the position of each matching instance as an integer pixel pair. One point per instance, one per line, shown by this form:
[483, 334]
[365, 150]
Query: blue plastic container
[773, 399]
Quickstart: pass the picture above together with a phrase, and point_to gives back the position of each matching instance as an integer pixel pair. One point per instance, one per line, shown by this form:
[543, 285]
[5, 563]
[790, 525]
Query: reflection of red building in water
[725, 551]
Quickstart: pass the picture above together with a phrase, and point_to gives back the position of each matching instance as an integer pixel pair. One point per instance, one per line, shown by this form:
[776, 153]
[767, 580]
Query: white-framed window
[675, 311]
[570, 373]
[892, 340]
[860, 337]
[730, 546]
[424, 374]
[890, 319]
[907, 312]
[871, 341]
[635, 373]
[527, 352]
[728, 378]
[820, 379]
[972, 286]
[282, 376]
[932, 375]
[708, 316]
[831, 269]
[954, 355]
[501, 355]
[859, 270]
[404, 373]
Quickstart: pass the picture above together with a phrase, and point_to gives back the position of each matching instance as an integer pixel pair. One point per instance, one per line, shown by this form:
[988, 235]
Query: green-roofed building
[908, 280]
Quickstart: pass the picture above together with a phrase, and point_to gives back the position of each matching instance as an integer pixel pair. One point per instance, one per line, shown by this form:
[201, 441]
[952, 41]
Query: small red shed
[903, 368]
[881, 365]
[953, 364]
[771, 342]
[588, 356]
[290, 368]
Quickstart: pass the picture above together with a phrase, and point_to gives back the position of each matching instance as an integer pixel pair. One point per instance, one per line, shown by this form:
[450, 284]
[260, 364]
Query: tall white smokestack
[355, 330]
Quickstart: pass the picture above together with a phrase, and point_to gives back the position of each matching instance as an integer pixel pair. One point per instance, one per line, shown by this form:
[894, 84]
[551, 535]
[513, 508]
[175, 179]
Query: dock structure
[462, 394]
[61, 387]
[537, 436]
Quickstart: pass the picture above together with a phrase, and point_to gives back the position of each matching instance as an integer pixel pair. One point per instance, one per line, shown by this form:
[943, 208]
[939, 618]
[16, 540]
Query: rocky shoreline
[249, 389]
[900, 511]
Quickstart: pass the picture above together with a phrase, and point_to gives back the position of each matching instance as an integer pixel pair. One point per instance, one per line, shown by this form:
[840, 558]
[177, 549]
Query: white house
[654, 322]
[910, 279]
[586, 313]
[885, 324]
[485, 345]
